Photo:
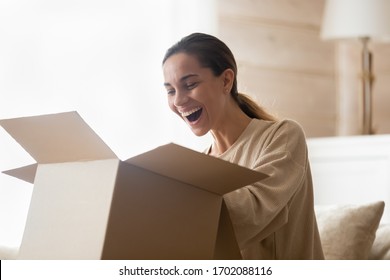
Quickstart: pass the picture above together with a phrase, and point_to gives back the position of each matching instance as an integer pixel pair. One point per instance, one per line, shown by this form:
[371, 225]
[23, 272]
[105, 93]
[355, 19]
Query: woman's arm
[258, 210]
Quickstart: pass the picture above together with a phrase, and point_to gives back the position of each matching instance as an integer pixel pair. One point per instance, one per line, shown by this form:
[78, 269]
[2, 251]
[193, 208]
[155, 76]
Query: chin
[199, 132]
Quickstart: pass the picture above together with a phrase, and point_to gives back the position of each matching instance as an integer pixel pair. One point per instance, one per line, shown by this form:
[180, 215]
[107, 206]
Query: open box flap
[60, 137]
[189, 166]
[25, 173]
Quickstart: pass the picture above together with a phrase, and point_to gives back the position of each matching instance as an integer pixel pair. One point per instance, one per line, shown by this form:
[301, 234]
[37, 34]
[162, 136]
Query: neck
[227, 133]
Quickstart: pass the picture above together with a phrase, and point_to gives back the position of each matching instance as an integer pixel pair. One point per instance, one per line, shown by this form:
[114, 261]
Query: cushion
[348, 231]
[381, 248]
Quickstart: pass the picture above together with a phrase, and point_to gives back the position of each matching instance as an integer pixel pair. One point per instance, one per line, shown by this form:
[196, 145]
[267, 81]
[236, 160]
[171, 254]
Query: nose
[180, 99]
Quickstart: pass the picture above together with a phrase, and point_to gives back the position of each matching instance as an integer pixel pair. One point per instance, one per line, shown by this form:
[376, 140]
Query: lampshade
[345, 19]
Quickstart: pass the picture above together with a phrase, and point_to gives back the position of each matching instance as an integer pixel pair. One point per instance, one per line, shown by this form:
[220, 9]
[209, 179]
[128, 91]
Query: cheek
[172, 106]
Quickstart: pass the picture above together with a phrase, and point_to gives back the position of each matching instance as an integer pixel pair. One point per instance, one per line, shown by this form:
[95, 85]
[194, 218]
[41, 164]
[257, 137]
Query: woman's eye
[170, 91]
[191, 85]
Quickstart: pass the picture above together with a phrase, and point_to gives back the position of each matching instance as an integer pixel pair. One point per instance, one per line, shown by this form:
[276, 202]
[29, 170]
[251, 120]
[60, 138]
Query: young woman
[273, 218]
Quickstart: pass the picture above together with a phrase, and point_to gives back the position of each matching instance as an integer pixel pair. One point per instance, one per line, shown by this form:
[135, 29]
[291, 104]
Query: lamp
[364, 20]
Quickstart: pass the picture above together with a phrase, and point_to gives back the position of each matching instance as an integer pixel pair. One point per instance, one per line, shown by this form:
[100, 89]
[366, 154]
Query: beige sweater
[274, 218]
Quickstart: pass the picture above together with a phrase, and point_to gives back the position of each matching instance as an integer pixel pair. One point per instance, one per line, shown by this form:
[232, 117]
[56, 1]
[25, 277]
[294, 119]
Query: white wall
[101, 58]
[351, 170]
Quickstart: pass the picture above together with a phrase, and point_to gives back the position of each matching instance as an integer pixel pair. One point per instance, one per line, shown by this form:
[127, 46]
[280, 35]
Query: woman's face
[195, 93]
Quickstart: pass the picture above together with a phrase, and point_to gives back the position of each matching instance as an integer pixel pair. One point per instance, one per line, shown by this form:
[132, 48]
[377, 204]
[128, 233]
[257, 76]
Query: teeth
[186, 114]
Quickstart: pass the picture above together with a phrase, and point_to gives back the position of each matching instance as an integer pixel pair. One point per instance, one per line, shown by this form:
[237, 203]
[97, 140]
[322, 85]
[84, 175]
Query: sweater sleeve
[262, 208]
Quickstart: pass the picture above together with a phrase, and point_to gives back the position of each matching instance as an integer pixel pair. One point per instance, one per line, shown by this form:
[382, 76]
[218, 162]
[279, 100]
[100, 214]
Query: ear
[228, 79]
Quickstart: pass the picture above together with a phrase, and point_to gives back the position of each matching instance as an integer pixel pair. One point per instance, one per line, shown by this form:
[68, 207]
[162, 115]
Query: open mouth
[193, 115]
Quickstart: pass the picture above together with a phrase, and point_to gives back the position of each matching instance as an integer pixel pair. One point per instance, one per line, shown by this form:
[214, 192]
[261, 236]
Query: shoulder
[290, 127]
[268, 141]
[283, 136]
[286, 127]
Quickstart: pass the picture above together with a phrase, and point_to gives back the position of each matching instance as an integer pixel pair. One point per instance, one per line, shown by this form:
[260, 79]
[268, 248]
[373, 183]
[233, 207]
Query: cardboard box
[87, 204]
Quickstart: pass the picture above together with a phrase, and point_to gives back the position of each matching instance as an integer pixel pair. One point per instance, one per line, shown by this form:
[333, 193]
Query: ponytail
[251, 108]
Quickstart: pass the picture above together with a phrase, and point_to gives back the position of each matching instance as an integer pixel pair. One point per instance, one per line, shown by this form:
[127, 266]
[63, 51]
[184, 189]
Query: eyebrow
[183, 78]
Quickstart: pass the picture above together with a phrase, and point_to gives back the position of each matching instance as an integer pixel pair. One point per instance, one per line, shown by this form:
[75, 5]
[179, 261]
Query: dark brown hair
[214, 54]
